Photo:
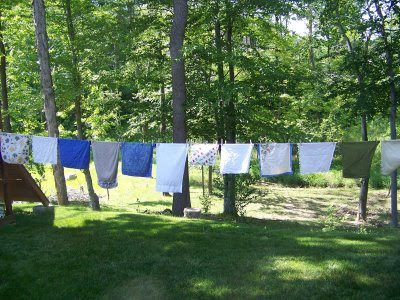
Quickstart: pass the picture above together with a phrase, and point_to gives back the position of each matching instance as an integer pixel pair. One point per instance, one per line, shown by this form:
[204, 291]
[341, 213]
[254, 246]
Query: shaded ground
[80, 254]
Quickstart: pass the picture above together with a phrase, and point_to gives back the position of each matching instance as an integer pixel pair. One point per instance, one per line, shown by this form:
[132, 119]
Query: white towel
[315, 157]
[44, 150]
[203, 154]
[275, 159]
[235, 158]
[171, 160]
[390, 159]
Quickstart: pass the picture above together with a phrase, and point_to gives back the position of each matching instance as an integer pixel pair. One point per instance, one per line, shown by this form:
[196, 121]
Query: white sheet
[275, 159]
[390, 159]
[171, 159]
[44, 150]
[316, 157]
[235, 158]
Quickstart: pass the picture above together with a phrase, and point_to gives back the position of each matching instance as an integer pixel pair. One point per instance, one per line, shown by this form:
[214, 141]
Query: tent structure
[17, 184]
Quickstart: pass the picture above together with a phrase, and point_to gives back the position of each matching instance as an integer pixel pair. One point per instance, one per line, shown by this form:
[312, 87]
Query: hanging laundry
[171, 160]
[15, 148]
[105, 157]
[203, 154]
[74, 154]
[316, 157]
[390, 160]
[235, 158]
[357, 158]
[44, 150]
[137, 159]
[275, 159]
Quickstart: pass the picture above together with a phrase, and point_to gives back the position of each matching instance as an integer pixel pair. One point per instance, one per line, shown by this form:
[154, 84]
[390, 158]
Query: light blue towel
[74, 154]
[137, 159]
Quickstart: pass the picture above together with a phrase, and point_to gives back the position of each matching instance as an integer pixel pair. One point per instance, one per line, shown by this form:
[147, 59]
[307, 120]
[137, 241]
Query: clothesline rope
[274, 158]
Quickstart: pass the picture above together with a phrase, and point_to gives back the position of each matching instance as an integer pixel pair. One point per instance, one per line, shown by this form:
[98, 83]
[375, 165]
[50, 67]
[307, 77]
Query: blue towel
[74, 153]
[137, 159]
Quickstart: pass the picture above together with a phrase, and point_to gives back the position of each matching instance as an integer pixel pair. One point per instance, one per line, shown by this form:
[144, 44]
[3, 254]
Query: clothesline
[137, 158]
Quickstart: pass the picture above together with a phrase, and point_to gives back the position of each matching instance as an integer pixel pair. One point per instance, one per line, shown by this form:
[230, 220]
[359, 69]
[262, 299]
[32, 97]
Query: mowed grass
[76, 253]
[130, 251]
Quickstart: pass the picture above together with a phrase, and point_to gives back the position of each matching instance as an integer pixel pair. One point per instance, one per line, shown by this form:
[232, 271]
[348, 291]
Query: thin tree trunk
[362, 201]
[48, 92]
[163, 108]
[210, 179]
[3, 75]
[393, 111]
[163, 126]
[180, 200]
[76, 78]
[219, 107]
[311, 55]
[230, 125]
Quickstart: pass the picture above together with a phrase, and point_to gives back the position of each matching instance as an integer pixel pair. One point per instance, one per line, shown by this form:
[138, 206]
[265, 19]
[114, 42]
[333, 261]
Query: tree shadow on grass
[129, 256]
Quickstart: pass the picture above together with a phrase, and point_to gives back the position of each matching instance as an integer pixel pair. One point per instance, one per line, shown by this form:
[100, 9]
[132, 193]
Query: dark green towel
[357, 158]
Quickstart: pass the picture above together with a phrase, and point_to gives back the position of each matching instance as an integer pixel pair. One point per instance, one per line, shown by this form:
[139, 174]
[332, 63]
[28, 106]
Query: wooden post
[7, 202]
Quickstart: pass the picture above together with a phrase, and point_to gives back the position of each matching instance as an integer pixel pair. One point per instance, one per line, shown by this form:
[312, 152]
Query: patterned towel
[15, 148]
[203, 154]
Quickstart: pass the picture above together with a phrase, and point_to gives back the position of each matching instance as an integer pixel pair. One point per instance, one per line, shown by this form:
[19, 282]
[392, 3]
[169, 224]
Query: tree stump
[192, 212]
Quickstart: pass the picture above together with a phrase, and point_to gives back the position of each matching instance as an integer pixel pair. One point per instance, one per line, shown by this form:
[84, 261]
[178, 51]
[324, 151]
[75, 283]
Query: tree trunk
[219, 107]
[163, 109]
[5, 115]
[180, 200]
[362, 201]
[48, 92]
[311, 55]
[76, 78]
[393, 111]
[230, 125]
[163, 125]
[210, 179]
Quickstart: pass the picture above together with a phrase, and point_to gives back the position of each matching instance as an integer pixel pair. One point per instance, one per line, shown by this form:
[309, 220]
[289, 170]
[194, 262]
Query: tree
[4, 89]
[76, 78]
[230, 115]
[388, 51]
[180, 200]
[50, 109]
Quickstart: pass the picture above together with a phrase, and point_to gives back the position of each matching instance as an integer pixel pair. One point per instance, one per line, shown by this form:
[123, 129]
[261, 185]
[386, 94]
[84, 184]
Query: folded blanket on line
[203, 154]
[137, 159]
[171, 161]
[235, 158]
[105, 157]
[44, 150]
[357, 158]
[15, 148]
[74, 154]
[275, 159]
[390, 160]
[316, 157]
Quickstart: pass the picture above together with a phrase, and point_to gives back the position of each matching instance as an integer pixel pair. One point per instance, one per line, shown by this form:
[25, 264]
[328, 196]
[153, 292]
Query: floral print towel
[203, 154]
[14, 148]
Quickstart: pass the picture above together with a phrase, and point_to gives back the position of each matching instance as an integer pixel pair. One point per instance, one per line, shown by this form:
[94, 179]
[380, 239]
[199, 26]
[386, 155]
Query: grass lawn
[124, 253]
[79, 254]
